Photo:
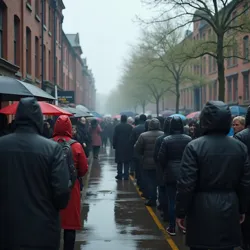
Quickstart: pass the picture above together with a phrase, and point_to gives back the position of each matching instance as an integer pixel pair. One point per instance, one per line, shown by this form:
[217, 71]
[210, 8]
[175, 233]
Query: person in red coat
[70, 216]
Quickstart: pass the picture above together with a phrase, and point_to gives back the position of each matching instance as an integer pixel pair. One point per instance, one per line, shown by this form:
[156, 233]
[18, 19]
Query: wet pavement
[115, 216]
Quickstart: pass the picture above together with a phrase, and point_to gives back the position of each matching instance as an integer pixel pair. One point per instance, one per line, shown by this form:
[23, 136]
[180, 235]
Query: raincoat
[70, 216]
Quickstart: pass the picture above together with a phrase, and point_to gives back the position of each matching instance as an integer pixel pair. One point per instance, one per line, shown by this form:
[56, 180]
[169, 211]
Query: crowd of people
[196, 173]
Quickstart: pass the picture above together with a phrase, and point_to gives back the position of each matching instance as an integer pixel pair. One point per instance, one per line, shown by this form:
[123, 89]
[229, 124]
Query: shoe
[171, 231]
[118, 177]
[150, 203]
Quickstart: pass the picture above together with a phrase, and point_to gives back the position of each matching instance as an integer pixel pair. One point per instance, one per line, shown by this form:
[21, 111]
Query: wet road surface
[115, 216]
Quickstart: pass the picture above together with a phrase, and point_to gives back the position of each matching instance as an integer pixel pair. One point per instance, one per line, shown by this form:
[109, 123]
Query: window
[28, 50]
[50, 19]
[229, 57]
[215, 90]
[246, 86]
[235, 89]
[16, 40]
[204, 65]
[214, 64]
[229, 89]
[204, 94]
[210, 61]
[44, 63]
[2, 31]
[45, 12]
[37, 7]
[246, 48]
[37, 73]
[235, 54]
[210, 92]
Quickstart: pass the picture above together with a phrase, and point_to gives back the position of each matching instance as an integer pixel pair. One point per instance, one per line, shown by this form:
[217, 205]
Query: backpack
[66, 147]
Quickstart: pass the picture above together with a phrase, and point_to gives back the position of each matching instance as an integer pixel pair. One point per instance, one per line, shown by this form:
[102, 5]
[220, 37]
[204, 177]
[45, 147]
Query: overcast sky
[106, 31]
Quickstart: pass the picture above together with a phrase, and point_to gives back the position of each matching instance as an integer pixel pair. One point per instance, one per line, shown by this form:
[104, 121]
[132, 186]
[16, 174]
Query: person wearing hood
[123, 151]
[71, 215]
[161, 186]
[83, 135]
[169, 157]
[34, 180]
[145, 146]
[214, 182]
[136, 132]
[244, 136]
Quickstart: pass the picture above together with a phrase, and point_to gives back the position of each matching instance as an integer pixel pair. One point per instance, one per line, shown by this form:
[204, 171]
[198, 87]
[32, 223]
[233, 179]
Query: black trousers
[69, 238]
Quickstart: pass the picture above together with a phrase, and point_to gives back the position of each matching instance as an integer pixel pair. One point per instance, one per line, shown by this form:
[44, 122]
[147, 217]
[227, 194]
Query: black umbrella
[76, 112]
[12, 89]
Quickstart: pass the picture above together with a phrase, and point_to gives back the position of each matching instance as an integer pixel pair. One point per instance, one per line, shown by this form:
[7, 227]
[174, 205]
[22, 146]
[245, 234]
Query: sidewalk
[114, 215]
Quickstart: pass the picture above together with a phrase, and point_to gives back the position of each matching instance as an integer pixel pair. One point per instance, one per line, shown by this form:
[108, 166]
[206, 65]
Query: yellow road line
[158, 223]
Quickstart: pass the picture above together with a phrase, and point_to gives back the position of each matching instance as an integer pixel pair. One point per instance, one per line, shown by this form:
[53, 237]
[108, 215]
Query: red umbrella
[47, 109]
[193, 115]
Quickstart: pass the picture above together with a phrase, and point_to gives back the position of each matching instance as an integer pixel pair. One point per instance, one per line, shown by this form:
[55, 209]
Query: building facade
[34, 48]
[237, 90]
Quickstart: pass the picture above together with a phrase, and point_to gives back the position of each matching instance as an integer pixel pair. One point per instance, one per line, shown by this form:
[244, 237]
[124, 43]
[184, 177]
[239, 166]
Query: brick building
[21, 46]
[194, 96]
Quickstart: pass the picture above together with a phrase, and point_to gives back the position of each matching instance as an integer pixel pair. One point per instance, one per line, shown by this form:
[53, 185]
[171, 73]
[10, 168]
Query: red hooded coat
[71, 215]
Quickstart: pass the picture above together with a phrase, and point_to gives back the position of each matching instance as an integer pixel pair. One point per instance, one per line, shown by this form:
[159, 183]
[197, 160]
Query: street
[115, 216]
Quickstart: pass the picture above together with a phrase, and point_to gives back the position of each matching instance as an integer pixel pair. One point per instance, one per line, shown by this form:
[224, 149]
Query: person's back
[34, 182]
[214, 183]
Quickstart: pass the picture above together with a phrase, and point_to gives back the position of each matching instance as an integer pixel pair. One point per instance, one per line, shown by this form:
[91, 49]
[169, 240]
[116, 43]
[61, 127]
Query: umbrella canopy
[167, 113]
[12, 89]
[238, 110]
[180, 115]
[193, 115]
[77, 112]
[118, 117]
[96, 115]
[47, 109]
[82, 108]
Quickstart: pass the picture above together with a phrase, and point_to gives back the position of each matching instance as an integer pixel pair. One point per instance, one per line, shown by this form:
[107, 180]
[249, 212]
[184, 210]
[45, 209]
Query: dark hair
[166, 127]
[143, 118]
[161, 120]
[124, 118]
[94, 123]
[147, 124]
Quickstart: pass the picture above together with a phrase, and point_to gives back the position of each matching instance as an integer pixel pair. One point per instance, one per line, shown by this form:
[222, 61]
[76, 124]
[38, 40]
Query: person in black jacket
[123, 150]
[214, 182]
[34, 182]
[136, 132]
[170, 156]
[161, 187]
[244, 136]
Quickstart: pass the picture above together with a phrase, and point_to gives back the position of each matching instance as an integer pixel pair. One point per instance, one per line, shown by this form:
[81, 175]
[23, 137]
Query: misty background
[107, 31]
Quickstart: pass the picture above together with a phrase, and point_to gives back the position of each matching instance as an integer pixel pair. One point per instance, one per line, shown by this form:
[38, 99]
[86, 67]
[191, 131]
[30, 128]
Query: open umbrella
[47, 109]
[96, 115]
[77, 112]
[179, 115]
[193, 115]
[12, 89]
[167, 113]
[83, 108]
[238, 110]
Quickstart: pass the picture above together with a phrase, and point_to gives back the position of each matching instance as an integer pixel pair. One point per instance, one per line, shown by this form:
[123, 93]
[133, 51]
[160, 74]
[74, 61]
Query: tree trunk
[177, 90]
[221, 67]
[157, 105]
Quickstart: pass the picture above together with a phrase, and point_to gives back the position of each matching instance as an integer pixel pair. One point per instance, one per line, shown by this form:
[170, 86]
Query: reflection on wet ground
[114, 215]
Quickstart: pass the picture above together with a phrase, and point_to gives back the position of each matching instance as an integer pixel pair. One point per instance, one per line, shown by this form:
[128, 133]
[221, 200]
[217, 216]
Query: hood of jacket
[63, 126]
[29, 114]
[154, 124]
[215, 117]
[166, 127]
[176, 126]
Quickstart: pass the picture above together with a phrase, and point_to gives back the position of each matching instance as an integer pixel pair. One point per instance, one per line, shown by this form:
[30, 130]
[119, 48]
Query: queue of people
[196, 175]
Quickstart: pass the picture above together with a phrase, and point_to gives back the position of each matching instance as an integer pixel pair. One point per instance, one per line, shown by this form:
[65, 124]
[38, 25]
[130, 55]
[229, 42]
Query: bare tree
[226, 19]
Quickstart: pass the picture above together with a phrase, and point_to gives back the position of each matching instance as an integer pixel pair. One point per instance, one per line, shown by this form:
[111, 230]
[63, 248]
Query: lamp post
[54, 4]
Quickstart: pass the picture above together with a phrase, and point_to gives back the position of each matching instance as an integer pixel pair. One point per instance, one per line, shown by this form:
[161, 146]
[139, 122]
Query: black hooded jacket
[33, 183]
[214, 181]
[171, 150]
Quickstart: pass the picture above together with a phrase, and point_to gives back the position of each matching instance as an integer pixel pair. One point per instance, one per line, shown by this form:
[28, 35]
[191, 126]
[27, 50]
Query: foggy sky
[106, 31]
